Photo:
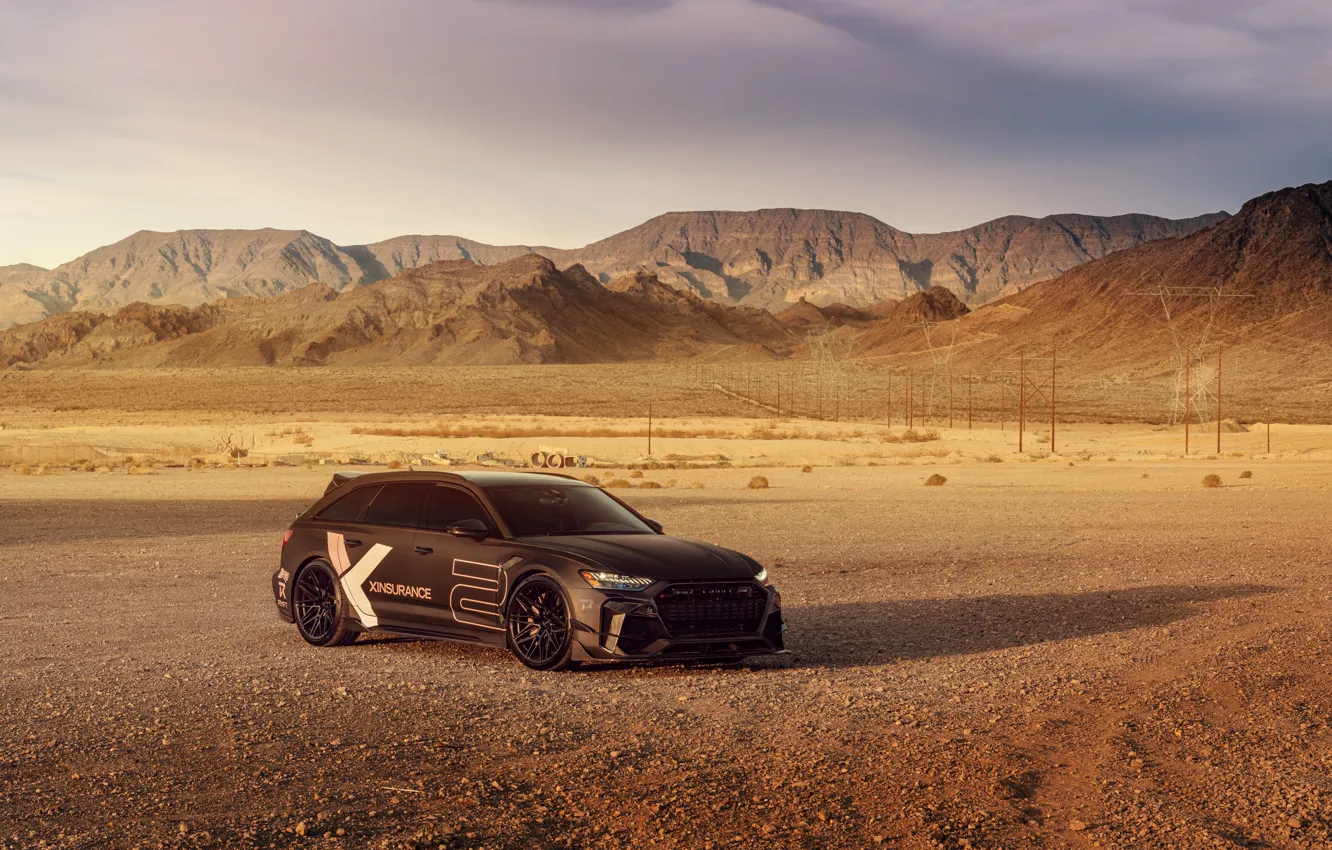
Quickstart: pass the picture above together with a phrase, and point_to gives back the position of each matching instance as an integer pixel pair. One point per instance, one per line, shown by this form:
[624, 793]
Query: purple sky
[549, 122]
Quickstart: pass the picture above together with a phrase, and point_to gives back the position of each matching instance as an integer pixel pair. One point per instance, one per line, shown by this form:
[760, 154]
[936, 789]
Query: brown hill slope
[522, 311]
[1108, 318]
[766, 258]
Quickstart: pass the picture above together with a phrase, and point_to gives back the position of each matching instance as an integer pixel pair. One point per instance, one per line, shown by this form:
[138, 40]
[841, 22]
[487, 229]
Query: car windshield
[536, 510]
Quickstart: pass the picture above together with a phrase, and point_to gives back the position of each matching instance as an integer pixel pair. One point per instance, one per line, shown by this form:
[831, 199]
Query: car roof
[481, 477]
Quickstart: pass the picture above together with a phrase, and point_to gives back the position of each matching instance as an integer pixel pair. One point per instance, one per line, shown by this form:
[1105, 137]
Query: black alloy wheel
[317, 603]
[539, 625]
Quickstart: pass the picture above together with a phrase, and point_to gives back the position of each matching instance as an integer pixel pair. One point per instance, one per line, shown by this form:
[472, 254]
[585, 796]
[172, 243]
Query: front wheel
[539, 626]
[320, 607]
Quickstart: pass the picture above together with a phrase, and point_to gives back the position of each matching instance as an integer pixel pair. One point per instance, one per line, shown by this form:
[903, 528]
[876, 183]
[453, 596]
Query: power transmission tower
[941, 356]
[1194, 387]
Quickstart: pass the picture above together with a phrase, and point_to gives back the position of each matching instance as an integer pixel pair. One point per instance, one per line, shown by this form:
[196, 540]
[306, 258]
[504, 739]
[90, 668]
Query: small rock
[300, 828]
[1293, 823]
[1077, 825]
[184, 828]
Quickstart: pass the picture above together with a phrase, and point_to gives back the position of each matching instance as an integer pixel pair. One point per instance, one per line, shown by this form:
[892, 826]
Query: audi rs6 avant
[557, 570]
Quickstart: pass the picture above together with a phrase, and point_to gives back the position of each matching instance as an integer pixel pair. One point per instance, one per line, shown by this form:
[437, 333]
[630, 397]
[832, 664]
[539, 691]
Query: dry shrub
[591, 479]
[911, 435]
[936, 480]
[617, 484]
[1248, 473]
[1145, 475]
[196, 463]
[758, 482]
[650, 485]
[23, 469]
[994, 459]
[395, 464]
[303, 439]
[87, 466]
[138, 469]
[1211, 481]
[696, 485]
[807, 468]
[636, 474]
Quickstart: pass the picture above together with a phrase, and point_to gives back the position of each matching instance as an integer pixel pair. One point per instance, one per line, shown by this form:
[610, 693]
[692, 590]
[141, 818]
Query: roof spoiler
[340, 478]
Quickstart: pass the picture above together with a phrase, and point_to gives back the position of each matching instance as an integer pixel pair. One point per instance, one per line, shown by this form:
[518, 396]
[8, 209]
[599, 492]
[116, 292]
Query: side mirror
[654, 525]
[473, 528]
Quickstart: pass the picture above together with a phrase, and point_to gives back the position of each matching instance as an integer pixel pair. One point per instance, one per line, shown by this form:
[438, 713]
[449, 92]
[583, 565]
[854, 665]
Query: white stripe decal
[353, 577]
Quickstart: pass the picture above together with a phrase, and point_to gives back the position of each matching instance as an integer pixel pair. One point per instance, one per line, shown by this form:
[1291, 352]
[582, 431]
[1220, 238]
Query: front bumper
[679, 620]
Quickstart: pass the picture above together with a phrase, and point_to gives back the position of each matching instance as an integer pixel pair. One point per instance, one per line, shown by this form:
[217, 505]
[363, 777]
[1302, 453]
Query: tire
[320, 608]
[538, 603]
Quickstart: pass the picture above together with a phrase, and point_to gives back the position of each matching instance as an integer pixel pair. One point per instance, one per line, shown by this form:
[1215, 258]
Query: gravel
[1020, 659]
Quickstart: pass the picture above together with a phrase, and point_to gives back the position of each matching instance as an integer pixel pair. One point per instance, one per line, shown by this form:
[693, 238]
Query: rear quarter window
[351, 507]
[399, 504]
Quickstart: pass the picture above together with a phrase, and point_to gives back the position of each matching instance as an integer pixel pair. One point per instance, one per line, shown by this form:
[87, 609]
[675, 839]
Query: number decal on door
[475, 598]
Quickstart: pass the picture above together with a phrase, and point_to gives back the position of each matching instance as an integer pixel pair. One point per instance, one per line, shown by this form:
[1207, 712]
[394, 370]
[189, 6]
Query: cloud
[560, 121]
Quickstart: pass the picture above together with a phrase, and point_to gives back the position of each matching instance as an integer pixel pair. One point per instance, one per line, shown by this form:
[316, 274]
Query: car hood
[654, 556]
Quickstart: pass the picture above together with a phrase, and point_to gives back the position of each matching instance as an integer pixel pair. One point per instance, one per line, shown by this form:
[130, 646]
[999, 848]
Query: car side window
[398, 504]
[350, 507]
[449, 505]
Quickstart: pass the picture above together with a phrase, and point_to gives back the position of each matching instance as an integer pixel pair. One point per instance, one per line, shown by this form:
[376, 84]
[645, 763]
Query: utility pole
[1218, 400]
[890, 399]
[1022, 397]
[950, 399]
[1052, 397]
[1188, 367]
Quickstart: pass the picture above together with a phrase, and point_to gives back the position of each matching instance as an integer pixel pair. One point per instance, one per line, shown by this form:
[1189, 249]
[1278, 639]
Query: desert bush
[1248, 473]
[303, 439]
[87, 466]
[993, 459]
[1212, 481]
[23, 469]
[636, 474]
[617, 484]
[696, 485]
[395, 464]
[758, 482]
[807, 468]
[911, 435]
[1084, 455]
[1145, 475]
[650, 485]
[138, 469]
[196, 463]
[591, 479]
[936, 480]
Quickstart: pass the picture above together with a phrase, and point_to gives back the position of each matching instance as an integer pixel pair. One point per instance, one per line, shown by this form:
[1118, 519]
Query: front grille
[712, 609]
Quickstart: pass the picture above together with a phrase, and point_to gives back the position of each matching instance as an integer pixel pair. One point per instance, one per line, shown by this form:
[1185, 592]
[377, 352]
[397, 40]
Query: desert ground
[1080, 648]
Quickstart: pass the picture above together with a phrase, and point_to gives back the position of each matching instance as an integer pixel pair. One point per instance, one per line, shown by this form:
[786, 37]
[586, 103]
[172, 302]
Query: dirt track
[1030, 656]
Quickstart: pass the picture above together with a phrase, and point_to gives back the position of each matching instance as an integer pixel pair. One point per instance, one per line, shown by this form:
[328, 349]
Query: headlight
[762, 577]
[613, 581]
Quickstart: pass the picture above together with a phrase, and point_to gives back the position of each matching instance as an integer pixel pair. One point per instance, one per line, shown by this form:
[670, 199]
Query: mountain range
[1258, 283]
[766, 258]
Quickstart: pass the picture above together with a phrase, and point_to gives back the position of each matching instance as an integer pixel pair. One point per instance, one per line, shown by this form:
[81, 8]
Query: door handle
[423, 550]
[352, 543]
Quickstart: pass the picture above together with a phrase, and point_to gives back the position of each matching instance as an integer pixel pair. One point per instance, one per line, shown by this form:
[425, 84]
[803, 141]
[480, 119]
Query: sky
[559, 122]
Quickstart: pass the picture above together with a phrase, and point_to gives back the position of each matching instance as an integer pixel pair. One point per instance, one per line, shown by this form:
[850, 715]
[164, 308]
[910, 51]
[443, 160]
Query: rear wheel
[540, 628]
[320, 607]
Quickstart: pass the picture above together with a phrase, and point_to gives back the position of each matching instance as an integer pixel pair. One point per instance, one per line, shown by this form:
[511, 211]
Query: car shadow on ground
[852, 634]
[866, 634]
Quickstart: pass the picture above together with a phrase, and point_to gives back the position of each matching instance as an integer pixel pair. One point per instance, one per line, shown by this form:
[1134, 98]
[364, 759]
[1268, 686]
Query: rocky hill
[766, 258]
[453, 312]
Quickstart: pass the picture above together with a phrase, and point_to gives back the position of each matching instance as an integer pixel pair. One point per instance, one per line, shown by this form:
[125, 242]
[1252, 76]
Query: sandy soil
[1032, 655]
